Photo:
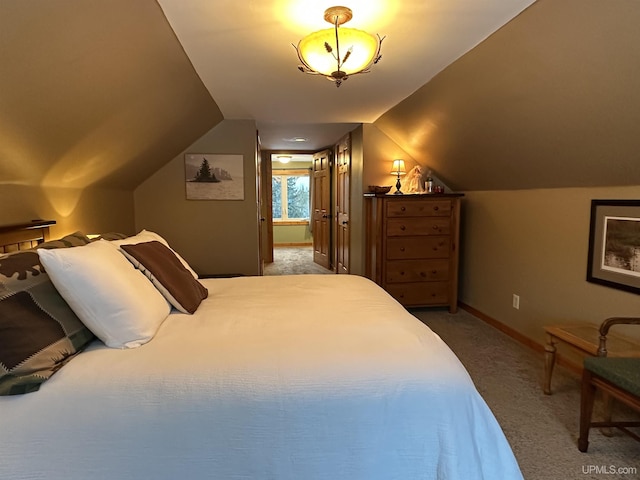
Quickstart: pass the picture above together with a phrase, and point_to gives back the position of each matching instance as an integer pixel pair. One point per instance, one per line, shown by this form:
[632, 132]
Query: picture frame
[212, 176]
[614, 244]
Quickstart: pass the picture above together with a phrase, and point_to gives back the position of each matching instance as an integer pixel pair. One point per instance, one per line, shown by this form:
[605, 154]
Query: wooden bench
[585, 339]
[618, 378]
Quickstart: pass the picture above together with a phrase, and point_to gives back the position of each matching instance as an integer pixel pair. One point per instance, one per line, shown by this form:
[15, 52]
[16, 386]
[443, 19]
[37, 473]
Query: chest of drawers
[412, 247]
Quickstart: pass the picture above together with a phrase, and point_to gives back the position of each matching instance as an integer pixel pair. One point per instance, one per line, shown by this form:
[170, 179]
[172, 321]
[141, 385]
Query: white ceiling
[241, 49]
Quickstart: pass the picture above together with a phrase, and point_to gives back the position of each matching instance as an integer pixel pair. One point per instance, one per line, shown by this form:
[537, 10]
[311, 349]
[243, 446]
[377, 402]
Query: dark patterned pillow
[39, 332]
[76, 239]
[111, 236]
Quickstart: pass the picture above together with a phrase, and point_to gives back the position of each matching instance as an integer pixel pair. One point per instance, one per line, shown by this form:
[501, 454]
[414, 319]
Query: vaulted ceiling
[550, 100]
[94, 93]
[244, 55]
[491, 95]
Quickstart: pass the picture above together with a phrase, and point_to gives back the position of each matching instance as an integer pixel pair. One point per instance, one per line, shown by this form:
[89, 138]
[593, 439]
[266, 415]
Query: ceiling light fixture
[284, 158]
[336, 53]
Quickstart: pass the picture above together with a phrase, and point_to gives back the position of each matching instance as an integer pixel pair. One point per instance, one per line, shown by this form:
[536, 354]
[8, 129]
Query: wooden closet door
[343, 202]
[321, 208]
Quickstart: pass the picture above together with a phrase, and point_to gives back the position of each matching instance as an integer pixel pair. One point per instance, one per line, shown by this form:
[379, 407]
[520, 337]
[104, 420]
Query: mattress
[285, 377]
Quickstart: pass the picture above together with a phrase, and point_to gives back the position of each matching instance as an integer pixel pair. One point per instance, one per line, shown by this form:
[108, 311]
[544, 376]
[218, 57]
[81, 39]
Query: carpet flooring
[542, 429]
[293, 261]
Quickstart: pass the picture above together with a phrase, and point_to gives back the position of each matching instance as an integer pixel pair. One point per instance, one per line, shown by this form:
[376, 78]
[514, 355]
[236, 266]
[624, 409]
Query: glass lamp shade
[364, 48]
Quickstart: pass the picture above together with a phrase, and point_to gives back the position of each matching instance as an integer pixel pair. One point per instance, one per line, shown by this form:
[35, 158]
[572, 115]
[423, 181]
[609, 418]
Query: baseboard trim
[523, 339]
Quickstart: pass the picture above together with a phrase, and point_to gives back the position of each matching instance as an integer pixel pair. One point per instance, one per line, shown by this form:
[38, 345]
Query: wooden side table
[584, 338]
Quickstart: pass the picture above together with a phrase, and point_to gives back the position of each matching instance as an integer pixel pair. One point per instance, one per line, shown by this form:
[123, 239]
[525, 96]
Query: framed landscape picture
[614, 244]
[210, 176]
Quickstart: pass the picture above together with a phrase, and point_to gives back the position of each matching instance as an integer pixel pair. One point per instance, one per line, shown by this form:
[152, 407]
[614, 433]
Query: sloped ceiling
[550, 100]
[101, 92]
[243, 52]
[94, 93]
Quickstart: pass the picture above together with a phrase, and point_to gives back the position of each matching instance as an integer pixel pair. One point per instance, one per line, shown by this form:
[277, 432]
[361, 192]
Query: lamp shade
[338, 52]
[363, 46]
[398, 167]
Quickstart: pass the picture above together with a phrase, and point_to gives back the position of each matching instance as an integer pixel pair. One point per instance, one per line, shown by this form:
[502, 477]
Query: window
[290, 195]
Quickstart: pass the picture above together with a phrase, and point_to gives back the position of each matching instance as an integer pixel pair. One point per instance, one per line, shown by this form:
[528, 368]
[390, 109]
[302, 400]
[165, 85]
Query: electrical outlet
[516, 301]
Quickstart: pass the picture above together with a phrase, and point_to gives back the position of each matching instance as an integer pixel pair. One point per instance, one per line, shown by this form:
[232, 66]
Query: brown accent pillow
[167, 273]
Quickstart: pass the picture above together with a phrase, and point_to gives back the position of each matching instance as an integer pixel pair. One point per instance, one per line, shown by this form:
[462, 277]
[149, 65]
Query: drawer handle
[422, 274]
[435, 227]
[402, 249]
[434, 271]
[401, 273]
[435, 249]
[402, 209]
[403, 228]
[436, 208]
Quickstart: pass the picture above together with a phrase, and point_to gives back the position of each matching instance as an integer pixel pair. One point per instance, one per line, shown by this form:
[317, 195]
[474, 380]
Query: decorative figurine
[414, 183]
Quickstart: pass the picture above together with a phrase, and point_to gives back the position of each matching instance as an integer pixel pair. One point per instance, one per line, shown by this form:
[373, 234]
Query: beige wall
[379, 153]
[214, 236]
[89, 109]
[90, 210]
[534, 243]
[291, 234]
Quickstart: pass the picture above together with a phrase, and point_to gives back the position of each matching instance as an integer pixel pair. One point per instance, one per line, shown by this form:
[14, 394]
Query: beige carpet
[293, 261]
[542, 429]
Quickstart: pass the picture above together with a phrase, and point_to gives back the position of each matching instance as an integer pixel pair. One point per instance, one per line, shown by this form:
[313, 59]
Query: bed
[291, 377]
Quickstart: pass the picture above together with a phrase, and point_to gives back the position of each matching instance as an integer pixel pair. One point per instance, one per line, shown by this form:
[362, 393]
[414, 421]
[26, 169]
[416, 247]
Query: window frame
[284, 173]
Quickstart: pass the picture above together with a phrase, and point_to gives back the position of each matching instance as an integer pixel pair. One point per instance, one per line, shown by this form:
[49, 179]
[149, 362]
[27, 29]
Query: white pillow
[147, 236]
[113, 299]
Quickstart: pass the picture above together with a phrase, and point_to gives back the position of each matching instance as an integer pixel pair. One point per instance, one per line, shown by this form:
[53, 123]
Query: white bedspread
[298, 377]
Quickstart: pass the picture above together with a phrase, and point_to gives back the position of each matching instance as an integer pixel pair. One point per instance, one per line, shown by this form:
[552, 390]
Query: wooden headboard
[21, 236]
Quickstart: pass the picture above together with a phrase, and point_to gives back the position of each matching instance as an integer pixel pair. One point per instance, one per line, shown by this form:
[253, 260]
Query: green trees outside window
[290, 195]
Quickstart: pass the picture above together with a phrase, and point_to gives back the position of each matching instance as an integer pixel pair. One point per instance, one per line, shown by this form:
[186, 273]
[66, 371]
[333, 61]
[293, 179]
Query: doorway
[304, 206]
[289, 194]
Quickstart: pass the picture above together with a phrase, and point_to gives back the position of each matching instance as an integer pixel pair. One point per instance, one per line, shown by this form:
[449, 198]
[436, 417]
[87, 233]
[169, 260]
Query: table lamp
[398, 169]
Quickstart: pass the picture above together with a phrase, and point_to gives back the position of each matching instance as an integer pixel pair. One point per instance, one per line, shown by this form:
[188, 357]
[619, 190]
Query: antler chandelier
[336, 53]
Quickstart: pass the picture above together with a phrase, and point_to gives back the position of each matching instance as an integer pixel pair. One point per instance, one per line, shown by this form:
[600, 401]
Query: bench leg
[587, 395]
[549, 362]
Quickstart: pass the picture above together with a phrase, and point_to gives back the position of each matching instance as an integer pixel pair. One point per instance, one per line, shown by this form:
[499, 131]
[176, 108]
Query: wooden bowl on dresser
[379, 190]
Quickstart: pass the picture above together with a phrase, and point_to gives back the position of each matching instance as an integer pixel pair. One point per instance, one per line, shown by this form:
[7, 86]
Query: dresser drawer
[401, 271]
[399, 248]
[419, 208]
[425, 293]
[418, 226]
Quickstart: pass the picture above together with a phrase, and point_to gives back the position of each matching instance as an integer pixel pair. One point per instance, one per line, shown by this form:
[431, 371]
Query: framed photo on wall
[210, 176]
[614, 244]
